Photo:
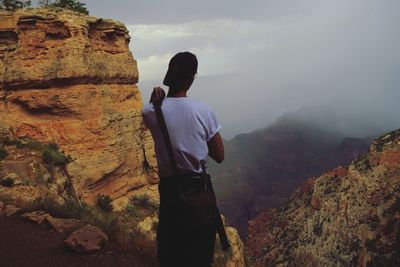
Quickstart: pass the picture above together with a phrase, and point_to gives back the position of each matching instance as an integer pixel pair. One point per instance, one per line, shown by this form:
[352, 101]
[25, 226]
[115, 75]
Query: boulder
[36, 216]
[64, 225]
[87, 239]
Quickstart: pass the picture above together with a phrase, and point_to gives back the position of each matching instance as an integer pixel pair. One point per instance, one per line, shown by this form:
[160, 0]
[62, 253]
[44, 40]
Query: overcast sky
[260, 58]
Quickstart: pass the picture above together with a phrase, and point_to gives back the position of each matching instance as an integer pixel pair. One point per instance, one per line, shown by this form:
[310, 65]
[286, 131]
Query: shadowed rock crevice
[44, 108]
[8, 38]
[108, 177]
[65, 82]
[51, 29]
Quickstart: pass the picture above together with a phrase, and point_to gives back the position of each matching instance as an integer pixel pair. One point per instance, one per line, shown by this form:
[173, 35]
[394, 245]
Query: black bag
[200, 205]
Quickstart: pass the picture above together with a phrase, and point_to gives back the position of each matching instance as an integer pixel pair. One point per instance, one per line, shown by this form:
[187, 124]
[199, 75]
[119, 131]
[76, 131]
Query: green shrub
[7, 182]
[20, 145]
[3, 153]
[7, 141]
[108, 223]
[73, 5]
[132, 210]
[33, 144]
[52, 157]
[104, 202]
[142, 201]
[53, 146]
[14, 4]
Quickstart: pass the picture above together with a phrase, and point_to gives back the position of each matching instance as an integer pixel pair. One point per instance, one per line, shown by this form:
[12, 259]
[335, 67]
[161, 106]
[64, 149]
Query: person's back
[193, 131]
[191, 124]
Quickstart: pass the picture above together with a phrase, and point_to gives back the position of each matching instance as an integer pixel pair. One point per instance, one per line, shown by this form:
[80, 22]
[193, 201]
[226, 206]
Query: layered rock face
[347, 217]
[70, 79]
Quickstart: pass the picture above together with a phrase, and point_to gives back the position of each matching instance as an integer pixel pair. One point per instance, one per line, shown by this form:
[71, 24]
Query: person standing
[194, 133]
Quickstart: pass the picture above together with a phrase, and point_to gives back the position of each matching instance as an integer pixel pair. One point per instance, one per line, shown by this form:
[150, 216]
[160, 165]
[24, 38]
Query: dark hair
[181, 69]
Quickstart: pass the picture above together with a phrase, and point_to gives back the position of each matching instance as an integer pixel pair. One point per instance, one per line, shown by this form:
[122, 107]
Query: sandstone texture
[70, 79]
[349, 216]
[88, 239]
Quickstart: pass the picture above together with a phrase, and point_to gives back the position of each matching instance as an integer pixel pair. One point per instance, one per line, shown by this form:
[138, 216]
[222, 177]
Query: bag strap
[167, 139]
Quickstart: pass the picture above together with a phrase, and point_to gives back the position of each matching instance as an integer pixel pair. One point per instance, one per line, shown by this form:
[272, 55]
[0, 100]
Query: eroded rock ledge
[70, 79]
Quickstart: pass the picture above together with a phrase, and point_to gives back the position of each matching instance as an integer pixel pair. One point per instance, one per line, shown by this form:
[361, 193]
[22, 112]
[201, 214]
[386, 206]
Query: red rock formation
[350, 217]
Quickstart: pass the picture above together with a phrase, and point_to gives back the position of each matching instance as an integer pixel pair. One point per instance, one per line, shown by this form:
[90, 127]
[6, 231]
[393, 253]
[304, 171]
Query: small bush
[132, 210]
[20, 145]
[14, 4]
[7, 141]
[53, 146]
[3, 153]
[142, 201]
[73, 5]
[33, 144]
[108, 223]
[52, 157]
[7, 182]
[104, 202]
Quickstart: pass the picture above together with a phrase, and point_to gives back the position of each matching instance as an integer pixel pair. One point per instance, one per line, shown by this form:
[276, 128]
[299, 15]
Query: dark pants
[180, 244]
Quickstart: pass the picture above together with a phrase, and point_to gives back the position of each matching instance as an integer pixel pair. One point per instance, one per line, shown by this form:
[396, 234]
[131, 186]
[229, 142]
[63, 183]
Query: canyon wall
[70, 79]
[346, 217]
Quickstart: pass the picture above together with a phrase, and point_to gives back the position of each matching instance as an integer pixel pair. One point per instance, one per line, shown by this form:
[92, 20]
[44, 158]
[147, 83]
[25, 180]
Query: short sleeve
[213, 127]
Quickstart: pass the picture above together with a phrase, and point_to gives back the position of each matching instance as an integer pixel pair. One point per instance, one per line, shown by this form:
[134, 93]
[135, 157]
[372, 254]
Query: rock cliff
[70, 79]
[349, 216]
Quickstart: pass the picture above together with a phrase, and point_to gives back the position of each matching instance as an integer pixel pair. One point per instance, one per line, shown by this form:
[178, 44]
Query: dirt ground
[24, 243]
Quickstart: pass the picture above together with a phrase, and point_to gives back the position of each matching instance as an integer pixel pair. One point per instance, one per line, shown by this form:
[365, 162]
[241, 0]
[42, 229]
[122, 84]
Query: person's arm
[216, 148]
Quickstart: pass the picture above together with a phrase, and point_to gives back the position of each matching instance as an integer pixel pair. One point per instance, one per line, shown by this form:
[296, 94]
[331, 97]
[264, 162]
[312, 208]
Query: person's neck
[179, 93]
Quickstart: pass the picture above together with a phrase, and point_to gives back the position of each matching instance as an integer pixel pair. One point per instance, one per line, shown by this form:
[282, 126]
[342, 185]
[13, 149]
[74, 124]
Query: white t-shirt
[191, 124]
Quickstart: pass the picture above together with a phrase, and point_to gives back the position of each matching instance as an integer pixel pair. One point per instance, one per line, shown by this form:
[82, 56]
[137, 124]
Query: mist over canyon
[263, 167]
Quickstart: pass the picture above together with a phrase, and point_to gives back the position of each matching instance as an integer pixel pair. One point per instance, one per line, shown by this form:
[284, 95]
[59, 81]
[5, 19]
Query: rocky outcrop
[70, 79]
[347, 217]
[87, 239]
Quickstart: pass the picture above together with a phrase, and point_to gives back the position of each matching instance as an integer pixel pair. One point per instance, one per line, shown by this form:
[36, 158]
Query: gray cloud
[259, 59]
[182, 11]
[342, 55]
